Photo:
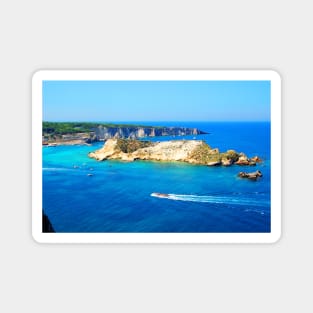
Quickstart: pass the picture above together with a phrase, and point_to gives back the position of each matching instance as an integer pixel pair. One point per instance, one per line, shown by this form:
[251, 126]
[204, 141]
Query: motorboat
[160, 195]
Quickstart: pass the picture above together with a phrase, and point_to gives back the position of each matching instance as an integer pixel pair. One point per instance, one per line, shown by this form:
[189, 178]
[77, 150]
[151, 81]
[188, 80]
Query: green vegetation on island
[131, 145]
[204, 154]
[62, 128]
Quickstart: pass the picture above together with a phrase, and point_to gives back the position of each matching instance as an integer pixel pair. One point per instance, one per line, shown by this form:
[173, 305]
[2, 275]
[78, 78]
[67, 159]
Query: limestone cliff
[69, 133]
[191, 151]
[134, 132]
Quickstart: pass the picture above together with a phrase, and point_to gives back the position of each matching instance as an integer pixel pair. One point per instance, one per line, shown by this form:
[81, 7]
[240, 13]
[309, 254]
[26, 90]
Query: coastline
[78, 142]
[72, 133]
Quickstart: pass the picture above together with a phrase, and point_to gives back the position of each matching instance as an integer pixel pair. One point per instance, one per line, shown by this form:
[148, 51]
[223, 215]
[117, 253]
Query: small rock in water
[252, 176]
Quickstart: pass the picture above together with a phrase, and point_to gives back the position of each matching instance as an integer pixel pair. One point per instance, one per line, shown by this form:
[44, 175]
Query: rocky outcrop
[191, 151]
[244, 160]
[70, 139]
[130, 150]
[252, 176]
[134, 132]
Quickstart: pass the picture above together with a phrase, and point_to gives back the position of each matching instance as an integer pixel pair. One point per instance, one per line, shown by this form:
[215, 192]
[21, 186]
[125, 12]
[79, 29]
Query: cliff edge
[69, 133]
[135, 132]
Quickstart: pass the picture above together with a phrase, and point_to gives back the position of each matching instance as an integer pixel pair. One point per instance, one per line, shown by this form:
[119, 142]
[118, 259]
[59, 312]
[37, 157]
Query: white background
[152, 35]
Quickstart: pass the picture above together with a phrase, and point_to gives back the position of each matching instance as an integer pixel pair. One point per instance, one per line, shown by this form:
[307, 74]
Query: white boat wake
[55, 169]
[211, 199]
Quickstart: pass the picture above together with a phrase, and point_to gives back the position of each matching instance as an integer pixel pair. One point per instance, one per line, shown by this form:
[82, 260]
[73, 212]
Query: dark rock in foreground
[46, 224]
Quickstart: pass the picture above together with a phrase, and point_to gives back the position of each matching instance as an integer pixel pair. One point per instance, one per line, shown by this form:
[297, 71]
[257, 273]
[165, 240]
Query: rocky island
[190, 151]
[55, 133]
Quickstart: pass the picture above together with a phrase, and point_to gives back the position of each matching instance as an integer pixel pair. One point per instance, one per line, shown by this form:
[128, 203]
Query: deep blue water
[117, 197]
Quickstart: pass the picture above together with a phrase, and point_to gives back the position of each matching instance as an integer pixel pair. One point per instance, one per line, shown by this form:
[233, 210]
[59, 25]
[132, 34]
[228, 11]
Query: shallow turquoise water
[117, 197]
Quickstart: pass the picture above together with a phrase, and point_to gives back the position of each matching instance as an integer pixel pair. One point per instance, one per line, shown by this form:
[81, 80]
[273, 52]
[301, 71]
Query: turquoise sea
[117, 197]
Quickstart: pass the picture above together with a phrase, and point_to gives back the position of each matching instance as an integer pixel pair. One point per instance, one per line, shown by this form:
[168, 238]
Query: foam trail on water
[216, 199]
[55, 169]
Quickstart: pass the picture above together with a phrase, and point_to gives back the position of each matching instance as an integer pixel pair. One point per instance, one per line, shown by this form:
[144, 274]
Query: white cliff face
[152, 134]
[141, 133]
[104, 133]
[106, 152]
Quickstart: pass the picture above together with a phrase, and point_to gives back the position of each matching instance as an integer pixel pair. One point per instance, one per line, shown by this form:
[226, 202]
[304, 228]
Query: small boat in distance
[160, 195]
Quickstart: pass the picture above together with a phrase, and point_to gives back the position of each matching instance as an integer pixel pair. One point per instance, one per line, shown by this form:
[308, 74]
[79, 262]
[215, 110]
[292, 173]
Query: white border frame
[270, 75]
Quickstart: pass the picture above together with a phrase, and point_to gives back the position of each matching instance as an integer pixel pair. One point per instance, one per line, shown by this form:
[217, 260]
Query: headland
[71, 133]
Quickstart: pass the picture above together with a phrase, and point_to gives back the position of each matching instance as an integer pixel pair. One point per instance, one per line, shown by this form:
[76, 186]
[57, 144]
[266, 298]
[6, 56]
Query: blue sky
[156, 101]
